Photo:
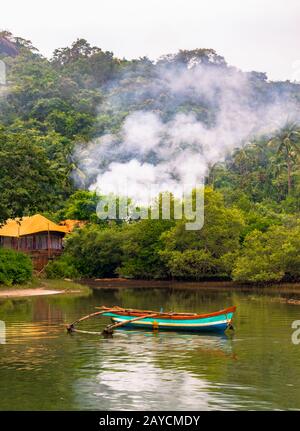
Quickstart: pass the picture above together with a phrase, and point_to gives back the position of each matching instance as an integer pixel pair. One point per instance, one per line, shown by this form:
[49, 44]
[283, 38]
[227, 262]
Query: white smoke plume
[150, 150]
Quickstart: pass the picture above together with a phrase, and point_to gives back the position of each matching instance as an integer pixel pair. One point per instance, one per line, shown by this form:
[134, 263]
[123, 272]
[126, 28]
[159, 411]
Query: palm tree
[211, 173]
[287, 142]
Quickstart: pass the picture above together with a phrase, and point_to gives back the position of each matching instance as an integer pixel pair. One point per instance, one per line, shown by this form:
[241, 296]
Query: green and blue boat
[218, 321]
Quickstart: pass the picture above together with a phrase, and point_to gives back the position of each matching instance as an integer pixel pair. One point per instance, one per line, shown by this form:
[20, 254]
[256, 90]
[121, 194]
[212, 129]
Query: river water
[44, 368]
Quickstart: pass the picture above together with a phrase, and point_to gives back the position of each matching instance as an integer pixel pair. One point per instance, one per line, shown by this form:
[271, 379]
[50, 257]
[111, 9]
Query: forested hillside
[62, 126]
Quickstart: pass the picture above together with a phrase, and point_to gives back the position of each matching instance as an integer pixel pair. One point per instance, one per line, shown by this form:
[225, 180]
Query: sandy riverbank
[19, 293]
[43, 287]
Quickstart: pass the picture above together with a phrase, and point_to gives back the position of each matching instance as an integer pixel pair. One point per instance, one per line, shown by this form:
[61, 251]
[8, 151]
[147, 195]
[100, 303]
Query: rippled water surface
[42, 367]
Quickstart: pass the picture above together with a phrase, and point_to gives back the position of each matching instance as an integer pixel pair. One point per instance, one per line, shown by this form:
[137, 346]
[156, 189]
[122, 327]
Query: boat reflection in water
[158, 369]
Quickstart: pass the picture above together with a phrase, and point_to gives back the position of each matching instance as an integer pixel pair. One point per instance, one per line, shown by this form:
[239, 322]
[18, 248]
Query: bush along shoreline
[15, 267]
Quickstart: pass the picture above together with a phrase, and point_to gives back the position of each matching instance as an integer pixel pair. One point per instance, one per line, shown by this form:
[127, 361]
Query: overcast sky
[260, 35]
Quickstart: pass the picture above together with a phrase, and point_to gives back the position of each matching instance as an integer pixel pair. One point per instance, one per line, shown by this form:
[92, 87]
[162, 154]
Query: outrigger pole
[71, 326]
[109, 329]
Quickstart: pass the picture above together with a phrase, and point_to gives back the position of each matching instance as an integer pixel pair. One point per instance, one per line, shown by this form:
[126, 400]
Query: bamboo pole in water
[71, 326]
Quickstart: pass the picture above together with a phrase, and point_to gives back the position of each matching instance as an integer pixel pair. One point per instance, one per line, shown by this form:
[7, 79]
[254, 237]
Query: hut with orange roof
[70, 224]
[35, 235]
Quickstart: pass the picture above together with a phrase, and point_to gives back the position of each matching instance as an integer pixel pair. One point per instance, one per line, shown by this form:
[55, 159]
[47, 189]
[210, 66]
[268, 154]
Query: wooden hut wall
[40, 241]
[8, 242]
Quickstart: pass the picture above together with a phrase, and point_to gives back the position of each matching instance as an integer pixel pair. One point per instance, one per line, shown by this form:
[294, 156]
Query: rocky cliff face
[8, 48]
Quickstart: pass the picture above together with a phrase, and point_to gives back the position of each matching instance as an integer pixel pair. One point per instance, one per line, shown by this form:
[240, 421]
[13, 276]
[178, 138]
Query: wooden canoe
[218, 321]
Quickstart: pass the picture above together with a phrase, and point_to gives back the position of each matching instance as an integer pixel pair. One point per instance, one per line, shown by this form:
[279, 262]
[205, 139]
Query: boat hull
[218, 323]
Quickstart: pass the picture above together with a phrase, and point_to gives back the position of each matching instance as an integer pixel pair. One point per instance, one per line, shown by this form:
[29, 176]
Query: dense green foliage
[208, 252]
[240, 240]
[252, 199]
[95, 252]
[141, 245]
[269, 256]
[62, 268]
[15, 267]
[30, 179]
